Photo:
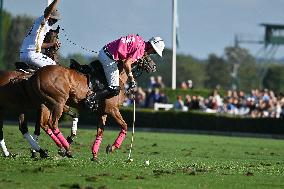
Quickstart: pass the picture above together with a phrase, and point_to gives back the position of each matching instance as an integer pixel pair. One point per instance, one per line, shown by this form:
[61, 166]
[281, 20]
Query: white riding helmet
[158, 44]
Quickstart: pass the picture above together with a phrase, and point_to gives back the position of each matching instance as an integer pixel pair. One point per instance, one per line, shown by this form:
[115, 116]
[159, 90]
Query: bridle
[143, 64]
[51, 52]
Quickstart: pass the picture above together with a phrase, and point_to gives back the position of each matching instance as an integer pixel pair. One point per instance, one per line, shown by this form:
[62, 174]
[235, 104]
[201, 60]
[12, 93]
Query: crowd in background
[258, 103]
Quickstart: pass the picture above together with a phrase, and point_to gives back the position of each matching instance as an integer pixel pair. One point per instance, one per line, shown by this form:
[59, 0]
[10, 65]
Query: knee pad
[114, 90]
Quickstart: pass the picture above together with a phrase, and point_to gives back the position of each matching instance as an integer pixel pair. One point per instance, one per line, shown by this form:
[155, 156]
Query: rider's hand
[57, 44]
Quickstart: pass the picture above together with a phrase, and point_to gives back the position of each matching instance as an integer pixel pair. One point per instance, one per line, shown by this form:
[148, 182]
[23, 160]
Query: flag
[177, 27]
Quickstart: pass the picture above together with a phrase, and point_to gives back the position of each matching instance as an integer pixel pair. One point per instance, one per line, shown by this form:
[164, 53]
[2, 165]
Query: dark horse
[55, 88]
[24, 72]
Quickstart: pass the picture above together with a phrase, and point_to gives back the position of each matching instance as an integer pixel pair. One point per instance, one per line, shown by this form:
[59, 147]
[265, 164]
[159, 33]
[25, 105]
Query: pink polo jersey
[131, 46]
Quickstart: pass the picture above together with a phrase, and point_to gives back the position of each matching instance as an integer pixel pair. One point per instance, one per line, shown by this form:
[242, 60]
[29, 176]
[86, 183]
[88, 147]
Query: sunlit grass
[176, 161]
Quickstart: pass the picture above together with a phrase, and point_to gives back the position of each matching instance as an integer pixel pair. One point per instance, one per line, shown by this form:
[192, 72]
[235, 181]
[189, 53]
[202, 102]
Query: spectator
[178, 105]
[163, 98]
[149, 100]
[159, 83]
[188, 102]
[152, 82]
[218, 100]
[140, 97]
[183, 85]
[189, 84]
[195, 103]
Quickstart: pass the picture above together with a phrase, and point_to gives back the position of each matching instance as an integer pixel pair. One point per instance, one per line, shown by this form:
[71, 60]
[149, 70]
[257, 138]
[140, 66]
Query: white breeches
[36, 59]
[110, 69]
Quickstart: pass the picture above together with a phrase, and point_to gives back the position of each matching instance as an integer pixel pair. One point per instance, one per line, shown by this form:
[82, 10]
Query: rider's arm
[127, 67]
[50, 9]
[47, 45]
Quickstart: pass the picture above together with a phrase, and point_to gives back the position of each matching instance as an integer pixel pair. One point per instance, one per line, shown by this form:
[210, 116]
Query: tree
[16, 33]
[274, 78]
[218, 72]
[245, 66]
[187, 68]
[6, 23]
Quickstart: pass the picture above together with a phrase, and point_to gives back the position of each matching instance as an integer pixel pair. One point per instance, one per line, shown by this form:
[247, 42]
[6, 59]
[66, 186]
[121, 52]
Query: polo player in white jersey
[30, 52]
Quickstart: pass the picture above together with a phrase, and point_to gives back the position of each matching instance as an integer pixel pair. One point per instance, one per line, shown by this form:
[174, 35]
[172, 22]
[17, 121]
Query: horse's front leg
[122, 134]
[99, 137]
[67, 110]
[49, 122]
[2, 142]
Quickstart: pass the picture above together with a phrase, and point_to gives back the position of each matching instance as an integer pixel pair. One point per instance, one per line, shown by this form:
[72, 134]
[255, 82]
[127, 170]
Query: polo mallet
[129, 159]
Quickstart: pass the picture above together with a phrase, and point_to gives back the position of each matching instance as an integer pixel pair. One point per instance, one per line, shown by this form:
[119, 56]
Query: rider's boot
[43, 153]
[91, 101]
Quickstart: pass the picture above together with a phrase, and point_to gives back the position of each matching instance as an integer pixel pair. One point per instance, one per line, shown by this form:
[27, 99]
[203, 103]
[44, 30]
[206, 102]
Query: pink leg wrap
[60, 137]
[97, 143]
[117, 143]
[54, 138]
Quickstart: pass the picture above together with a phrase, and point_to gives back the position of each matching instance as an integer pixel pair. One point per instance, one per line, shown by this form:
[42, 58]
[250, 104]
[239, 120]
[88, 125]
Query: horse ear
[72, 61]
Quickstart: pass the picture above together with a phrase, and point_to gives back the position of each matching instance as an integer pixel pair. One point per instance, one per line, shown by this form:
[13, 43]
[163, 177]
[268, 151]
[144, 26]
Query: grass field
[176, 161]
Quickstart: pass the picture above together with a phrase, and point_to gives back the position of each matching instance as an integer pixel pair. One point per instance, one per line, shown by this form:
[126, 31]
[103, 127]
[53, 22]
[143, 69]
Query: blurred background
[231, 47]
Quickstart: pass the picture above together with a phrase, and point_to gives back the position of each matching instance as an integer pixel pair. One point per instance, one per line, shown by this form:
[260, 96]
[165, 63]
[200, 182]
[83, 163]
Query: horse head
[143, 64]
[52, 37]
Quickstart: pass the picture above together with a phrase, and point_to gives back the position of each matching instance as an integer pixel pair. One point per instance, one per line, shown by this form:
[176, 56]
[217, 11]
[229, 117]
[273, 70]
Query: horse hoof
[43, 153]
[11, 155]
[69, 154]
[108, 149]
[62, 152]
[95, 159]
[33, 153]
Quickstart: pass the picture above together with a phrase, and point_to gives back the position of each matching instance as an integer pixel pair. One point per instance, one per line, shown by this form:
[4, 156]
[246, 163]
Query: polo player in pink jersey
[128, 50]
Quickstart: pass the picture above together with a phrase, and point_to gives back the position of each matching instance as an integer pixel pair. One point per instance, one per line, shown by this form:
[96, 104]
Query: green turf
[176, 161]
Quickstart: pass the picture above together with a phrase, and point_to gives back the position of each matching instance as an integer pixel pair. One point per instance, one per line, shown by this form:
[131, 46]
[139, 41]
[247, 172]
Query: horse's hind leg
[121, 136]
[2, 142]
[23, 127]
[99, 136]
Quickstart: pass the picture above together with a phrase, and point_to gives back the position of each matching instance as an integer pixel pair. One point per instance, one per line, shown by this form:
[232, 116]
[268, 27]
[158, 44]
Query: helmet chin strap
[157, 41]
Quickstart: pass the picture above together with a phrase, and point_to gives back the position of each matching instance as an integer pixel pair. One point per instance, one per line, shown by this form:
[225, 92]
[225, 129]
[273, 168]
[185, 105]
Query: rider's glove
[132, 84]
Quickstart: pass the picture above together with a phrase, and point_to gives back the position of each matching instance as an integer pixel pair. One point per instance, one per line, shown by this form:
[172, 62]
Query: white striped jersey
[34, 39]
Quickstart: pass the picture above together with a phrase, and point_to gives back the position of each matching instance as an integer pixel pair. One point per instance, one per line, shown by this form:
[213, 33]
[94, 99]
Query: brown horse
[15, 96]
[54, 86]
[5, 78]
[24, 72]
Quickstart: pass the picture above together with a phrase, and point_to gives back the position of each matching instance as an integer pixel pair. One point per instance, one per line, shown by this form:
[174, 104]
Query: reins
[76, 44]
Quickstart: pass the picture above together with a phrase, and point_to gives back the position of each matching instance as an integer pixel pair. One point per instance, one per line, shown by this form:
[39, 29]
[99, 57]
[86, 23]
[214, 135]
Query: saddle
[24, 67]
[96, 79]
[25, 70]
[94, 72]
